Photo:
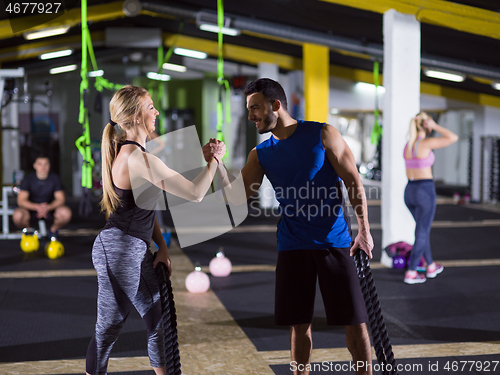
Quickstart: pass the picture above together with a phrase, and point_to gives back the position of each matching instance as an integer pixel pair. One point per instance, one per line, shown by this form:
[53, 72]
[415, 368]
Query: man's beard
[268, 122]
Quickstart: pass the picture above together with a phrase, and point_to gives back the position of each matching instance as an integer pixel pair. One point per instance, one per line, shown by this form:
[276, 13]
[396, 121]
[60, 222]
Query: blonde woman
[120, 254]
[420, 193]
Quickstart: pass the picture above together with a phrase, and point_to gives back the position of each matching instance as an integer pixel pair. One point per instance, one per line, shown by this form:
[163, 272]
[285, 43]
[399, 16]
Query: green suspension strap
[100, 82]
[83, 142]
[223, 83]
[377, 129]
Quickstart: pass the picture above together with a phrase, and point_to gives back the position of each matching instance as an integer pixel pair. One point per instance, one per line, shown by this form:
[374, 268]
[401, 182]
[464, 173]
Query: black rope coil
[381, 343]
[169, 318]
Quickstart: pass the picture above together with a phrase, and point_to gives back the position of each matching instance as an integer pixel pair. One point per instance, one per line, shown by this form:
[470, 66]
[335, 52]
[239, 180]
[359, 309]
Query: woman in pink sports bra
[420, 193]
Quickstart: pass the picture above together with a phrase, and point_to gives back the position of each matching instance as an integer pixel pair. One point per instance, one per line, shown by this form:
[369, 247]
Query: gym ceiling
[461, 36]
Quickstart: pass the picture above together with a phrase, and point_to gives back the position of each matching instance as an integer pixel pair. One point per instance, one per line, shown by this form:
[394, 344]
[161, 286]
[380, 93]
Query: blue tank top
[306, 188]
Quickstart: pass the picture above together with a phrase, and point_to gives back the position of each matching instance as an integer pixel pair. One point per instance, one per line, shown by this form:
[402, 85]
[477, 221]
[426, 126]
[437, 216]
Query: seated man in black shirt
[41, 197]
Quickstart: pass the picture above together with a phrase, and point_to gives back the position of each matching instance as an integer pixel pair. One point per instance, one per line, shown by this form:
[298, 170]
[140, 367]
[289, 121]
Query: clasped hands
[214, 149]
[42, 210]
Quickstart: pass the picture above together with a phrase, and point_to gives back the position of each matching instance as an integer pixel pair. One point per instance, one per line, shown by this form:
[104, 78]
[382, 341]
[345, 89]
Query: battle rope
[169, 318]
[381, 343]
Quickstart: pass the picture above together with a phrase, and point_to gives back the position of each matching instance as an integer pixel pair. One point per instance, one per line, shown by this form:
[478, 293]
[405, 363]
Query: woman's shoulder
[426, 143]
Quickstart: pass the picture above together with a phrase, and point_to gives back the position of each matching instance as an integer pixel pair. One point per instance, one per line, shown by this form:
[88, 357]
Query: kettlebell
[29, 240]
[54, 249]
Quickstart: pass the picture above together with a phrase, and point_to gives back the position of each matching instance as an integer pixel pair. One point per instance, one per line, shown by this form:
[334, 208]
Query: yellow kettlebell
[29, 240]
[54, 249]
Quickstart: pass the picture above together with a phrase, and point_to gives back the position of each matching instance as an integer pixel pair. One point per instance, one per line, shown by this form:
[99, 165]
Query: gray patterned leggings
[125, 278]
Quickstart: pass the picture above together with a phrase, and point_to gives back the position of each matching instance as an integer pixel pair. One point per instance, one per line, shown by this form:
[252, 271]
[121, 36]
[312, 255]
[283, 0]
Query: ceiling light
[46, 32]
[210, 22]
[190, 53]
[174, 67]
[53, 55]
[447, 75]
[334, 111]
[96, 73]
[63, 69]
[496, 85]
[215, 29]
[368, 87]
[158, 77]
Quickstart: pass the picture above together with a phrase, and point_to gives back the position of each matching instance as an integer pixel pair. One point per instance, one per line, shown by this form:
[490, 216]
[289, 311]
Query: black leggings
[126, 278]
[420, 198]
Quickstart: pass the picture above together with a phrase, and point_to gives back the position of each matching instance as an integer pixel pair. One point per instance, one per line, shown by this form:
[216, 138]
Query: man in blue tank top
[305, 162]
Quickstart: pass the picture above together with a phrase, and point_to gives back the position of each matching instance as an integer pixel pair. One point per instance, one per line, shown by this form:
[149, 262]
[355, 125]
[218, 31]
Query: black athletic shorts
[296, 274]
[49, 220]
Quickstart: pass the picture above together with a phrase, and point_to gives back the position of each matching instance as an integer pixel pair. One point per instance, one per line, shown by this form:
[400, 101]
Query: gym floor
[447, 325]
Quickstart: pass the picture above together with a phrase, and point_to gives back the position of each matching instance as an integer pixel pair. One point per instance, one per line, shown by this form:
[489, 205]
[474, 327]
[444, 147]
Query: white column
[401, 103]
[266, 191]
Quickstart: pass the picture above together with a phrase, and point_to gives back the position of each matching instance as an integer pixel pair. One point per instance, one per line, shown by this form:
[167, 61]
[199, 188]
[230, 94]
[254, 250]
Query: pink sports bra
[415, 163]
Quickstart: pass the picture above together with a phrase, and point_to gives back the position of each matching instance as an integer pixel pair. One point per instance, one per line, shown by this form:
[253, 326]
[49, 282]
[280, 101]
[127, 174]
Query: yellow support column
[316, 67]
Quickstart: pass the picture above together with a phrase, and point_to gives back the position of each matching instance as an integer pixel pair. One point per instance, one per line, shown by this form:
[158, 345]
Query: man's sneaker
[418, 278]
[434, 271]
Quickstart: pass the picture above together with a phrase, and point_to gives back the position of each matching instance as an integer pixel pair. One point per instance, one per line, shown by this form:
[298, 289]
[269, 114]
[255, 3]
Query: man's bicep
[338, 153]
[252, 174]
[23, 195]
[59, 195]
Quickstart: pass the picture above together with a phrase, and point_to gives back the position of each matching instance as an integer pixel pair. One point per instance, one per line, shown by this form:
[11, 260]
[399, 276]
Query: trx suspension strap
[83, 143]
[377, 129]
[381, 343]
[223, 83]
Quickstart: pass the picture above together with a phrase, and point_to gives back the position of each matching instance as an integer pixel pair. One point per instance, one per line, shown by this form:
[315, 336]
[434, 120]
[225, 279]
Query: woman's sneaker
[418, 278]
[434, 271]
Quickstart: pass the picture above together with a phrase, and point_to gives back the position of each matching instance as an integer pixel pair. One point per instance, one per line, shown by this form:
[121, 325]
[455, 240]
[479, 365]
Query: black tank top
[131, 219]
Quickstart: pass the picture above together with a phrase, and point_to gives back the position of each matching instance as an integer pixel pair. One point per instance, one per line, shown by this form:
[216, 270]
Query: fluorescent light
[369, 88]
[215, 29]
[63, 69]
[96, 73]
[53, 55]
[158, 77]
[174, 67]
[334, 111]
[46, 32]
[440, 74]
[496, 85]
[190, 53]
